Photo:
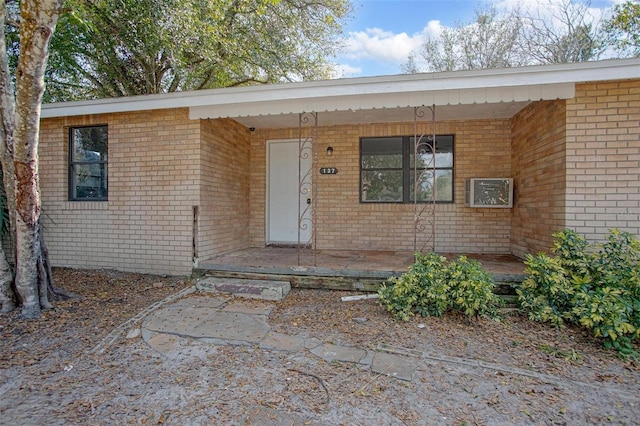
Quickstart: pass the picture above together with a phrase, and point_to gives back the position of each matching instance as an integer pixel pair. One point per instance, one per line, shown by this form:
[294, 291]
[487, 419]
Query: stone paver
[398, 366]
[176, 321]
[209, 302]
[223, 320]
[330, 352]
[244, 307]
[282, 342]
[166, 344]
[233, 326]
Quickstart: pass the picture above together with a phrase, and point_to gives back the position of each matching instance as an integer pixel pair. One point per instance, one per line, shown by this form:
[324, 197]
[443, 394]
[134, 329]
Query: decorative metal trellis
[424, 181]
[307, 183]
[424, 172]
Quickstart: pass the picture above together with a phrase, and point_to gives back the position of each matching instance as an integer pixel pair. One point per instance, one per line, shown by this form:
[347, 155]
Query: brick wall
[154, 174]
[538, 164]
[603, 158]
[482, 149]
[585, 175]
[224, 193]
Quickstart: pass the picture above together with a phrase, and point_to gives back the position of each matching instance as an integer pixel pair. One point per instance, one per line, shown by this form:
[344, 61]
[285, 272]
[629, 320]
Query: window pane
[89, 144]
[381, 185]
[90, 181]
[444, 152]
[381, 153]
[424, 185]
[444, 185]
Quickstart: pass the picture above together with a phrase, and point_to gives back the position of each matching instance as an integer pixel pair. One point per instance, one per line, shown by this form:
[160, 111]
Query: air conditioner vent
[489, 193]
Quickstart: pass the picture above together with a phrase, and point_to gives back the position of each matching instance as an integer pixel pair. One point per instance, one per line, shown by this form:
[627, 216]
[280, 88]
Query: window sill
[85, 205]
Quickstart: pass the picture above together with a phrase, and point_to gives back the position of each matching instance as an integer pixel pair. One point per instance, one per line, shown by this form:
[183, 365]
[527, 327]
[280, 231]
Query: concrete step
[322, 278]
[254, 289]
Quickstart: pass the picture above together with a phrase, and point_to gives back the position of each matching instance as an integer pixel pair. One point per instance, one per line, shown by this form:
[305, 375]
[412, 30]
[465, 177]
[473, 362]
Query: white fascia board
[493, 81]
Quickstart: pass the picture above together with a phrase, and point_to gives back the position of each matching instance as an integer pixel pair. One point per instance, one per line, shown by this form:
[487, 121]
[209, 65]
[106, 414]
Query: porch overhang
[460, 95]
[457, 95]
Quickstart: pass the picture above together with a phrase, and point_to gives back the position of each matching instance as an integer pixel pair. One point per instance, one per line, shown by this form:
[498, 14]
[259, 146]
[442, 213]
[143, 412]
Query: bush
[433, 286]
[595, 286]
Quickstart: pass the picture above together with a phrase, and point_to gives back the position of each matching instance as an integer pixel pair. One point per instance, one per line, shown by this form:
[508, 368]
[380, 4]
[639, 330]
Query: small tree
[551, 33]
[623, 28]
[488, 42]
[559, 33]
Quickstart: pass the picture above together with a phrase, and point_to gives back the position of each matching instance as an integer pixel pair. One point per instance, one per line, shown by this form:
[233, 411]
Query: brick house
[156, 183]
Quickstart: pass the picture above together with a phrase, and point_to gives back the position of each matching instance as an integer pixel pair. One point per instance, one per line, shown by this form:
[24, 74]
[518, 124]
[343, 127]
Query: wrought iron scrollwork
[307, 194]
[424, 180]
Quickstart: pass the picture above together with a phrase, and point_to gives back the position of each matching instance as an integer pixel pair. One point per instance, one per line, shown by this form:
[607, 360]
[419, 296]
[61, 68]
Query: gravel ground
[480, 372]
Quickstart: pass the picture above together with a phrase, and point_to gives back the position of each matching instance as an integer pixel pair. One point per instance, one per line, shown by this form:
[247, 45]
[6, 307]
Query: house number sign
[328, 171]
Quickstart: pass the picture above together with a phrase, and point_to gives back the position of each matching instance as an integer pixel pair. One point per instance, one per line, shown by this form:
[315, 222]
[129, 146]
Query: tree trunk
[7, 106]
[45, 274]
[7, 296]
[20, 131]
[27, 283]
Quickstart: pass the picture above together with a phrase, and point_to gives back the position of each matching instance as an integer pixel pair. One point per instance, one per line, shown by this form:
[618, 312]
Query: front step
[304, 277]
[254, 289]
[326, 279]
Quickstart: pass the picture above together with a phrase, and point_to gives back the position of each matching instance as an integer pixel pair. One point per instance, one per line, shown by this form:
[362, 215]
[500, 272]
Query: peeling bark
[27, 194]
[26, 281]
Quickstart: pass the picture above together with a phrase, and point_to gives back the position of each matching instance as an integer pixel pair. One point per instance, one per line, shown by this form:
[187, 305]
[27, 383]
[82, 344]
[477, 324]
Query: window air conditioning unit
[489, 193]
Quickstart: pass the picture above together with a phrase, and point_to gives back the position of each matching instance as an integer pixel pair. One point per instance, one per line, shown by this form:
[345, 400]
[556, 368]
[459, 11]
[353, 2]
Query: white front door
[283, 185]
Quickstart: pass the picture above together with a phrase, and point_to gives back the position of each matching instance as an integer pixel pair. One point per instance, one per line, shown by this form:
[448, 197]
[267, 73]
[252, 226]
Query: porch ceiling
[379, 101]
[387, 115]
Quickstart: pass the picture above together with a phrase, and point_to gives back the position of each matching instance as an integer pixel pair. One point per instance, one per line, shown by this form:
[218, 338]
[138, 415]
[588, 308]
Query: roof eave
[441, 86]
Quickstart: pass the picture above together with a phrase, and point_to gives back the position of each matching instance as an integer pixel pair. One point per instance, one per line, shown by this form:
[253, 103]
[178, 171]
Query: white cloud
[549, 8]
[385, 46]
[345, 71]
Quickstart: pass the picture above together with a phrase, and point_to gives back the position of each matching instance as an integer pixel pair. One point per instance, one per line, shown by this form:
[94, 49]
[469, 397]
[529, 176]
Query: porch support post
[424, 181]
[307, 184]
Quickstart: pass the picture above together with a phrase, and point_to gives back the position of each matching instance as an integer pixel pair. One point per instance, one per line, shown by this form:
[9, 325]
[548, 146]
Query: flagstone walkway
[225, 320]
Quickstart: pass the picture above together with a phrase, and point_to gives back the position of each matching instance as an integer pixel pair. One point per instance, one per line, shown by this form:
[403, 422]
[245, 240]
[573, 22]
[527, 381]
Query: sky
[382, 33]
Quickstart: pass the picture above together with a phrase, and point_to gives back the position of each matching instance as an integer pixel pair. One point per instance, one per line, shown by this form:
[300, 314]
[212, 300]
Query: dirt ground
[469, 373]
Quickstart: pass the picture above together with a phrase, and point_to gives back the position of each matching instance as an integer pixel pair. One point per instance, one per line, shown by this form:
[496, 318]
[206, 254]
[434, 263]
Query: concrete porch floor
[341, 262]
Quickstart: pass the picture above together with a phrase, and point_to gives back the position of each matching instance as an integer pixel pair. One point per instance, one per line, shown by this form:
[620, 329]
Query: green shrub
[432, 286]
[595, 286]
[546, 294]
[471, 289]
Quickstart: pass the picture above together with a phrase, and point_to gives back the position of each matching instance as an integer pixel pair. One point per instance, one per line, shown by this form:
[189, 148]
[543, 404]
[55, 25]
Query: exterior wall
[223, 224]
[603, 158]
[538, 164]
[576, 164]
[146, 226]
[482, 149]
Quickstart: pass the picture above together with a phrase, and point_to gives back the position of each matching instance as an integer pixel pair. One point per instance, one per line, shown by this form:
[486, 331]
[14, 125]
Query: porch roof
[494, 93]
